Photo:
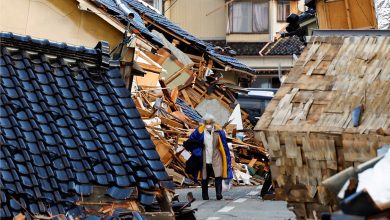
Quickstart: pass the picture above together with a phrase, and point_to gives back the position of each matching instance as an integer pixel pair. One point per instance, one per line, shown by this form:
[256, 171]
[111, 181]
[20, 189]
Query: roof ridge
[99, 55]
[53, 47]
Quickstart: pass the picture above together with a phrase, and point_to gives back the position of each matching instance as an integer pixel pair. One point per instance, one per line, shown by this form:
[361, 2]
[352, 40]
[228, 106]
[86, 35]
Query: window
[273, 82]
[248, 16]
[158, 4]
[283, 10]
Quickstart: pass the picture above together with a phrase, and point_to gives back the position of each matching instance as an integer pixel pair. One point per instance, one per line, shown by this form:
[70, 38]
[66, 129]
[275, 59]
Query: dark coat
[196, 163]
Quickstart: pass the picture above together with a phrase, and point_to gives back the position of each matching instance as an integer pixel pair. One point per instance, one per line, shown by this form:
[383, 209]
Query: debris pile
[170, 120]
[177, 79]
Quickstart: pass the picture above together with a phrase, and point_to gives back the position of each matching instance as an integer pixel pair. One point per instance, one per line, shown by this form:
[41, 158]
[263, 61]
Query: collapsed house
[72, 141]
[331, 112]
[181, 82]
[185, 58]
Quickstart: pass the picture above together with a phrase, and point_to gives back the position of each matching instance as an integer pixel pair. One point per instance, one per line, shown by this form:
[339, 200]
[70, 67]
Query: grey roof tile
[162, 21]
[63, 133]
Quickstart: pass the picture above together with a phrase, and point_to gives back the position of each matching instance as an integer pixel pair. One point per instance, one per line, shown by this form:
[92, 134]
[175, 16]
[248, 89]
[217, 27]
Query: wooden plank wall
[346, 14]
[307, 127]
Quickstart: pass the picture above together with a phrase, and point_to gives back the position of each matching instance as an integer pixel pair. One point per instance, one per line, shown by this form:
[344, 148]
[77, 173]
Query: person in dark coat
[210, 156]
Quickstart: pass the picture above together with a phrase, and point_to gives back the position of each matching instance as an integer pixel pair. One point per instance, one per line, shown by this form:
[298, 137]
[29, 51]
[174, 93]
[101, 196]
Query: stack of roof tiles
[68, 124]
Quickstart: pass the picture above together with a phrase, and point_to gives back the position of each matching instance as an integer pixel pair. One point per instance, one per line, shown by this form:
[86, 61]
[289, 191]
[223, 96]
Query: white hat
[208, 117]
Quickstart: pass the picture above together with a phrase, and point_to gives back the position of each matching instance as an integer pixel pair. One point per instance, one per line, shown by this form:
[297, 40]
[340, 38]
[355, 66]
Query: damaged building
[72, 141]
[331, 113]
[99, 131]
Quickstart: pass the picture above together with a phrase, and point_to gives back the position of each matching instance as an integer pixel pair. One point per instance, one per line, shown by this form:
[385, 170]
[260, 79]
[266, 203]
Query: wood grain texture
[308, 127]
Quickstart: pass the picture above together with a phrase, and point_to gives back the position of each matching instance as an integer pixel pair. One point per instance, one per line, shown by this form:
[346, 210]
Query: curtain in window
[283, 10]
[241, 17]
[260, 16]
[248, 16]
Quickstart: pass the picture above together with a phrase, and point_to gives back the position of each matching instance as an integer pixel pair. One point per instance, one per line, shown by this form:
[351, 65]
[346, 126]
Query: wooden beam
[164, 55]
[175, 75]
[149, 68]
[170, 122]
[187, 98]
[144, 113]
[174, 94]
[167, 96]
[139, 103]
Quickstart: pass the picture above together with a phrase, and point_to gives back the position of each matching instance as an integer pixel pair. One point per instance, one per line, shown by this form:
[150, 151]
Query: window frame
[230, 19]
[282, 2]
[154, 4]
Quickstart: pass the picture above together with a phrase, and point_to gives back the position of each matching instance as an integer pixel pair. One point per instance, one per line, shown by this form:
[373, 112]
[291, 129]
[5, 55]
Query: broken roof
[189, 111]
[162, 24]
[284, 46]
[69, 125]
[240, 48]
[337, 72]
[113, 9]
[315, 127]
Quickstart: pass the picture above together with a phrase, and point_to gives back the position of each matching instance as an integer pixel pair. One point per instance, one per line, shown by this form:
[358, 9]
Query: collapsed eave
[143, 41]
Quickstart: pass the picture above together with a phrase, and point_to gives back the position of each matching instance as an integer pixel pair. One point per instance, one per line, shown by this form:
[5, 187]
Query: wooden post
[167, 96]
[176, 74]
[187, 98]
[348, 14]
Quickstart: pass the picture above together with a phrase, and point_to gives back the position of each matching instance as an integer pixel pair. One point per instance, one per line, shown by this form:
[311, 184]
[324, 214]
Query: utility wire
[170, 6]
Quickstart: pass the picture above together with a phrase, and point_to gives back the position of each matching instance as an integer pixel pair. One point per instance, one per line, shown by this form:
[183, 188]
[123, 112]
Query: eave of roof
[348, 33]
[111, 8]
[162, 24]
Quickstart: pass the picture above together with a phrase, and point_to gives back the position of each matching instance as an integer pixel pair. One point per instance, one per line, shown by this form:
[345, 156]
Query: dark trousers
[217, 183]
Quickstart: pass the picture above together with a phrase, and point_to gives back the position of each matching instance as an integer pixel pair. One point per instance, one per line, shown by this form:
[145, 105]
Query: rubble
[170, 120]
[182, 82]
[363, 191]
[309, 127]
[105, 129]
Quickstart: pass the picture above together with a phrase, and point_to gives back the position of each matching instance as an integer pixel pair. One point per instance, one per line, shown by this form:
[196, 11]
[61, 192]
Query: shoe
[205, 189]
[218, 187]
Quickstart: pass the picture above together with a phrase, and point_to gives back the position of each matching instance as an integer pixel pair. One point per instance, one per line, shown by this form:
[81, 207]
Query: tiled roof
[241, 48]
[163, 22]
[307, 15]
[68, 125]
[189, 111]
[137, 23]
[285, 46]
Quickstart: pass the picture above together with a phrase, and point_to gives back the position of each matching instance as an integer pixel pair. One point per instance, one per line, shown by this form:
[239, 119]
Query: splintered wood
[169, 126]
[308, 126]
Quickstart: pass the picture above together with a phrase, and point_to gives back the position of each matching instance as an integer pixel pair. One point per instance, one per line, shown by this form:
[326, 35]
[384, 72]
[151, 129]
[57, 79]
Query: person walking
[210, 156]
